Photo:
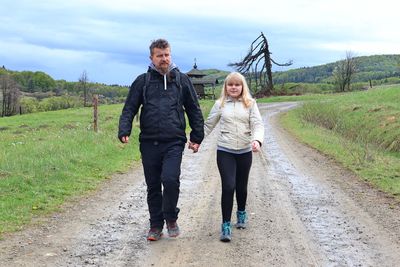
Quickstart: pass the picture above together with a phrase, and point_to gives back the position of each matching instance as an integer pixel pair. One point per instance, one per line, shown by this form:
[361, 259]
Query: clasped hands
[193, 146]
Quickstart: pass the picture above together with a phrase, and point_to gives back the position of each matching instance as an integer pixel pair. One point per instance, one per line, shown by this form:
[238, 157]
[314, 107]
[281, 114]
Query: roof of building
[195, 72]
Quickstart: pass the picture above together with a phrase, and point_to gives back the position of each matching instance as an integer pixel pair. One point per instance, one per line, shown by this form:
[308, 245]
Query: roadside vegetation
[360, 130]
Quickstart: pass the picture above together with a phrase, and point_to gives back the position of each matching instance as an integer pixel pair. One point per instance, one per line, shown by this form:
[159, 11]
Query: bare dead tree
[344, 72]
[10, 95]
[83, 83]
[257, 66]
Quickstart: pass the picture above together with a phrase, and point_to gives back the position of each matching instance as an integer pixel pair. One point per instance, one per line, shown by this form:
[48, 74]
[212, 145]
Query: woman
[241, 132]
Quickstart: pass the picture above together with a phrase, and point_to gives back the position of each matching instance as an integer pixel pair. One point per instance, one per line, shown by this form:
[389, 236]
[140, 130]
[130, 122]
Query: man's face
[161, 58]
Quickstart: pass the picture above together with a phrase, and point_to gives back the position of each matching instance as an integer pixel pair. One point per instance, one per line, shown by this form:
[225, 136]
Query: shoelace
[226, 229]
[242, 217]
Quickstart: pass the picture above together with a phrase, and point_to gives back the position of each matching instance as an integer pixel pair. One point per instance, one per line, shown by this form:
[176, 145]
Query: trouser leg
[171, 171]
[152, 166]
[227, 168]
[243, 163]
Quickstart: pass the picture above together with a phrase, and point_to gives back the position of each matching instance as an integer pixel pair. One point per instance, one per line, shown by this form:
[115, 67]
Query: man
[164, 94]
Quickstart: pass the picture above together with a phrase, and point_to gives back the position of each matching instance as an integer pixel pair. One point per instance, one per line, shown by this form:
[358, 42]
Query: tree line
[376, 67]
[27, 92]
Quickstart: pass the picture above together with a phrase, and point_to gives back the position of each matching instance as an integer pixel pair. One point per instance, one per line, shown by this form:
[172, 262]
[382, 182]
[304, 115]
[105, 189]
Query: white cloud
[110, 38]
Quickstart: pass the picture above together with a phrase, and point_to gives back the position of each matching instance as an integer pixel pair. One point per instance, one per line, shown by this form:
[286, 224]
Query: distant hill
[217, 74]
[368, 68]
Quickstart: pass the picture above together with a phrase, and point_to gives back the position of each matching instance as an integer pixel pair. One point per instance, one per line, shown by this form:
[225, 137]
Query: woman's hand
[255, 146]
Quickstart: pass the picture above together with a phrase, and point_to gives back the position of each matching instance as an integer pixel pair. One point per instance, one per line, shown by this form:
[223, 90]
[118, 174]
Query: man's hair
[159, 43]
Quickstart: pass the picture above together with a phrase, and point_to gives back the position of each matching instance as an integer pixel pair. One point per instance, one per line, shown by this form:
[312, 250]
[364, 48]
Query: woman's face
[234, 88]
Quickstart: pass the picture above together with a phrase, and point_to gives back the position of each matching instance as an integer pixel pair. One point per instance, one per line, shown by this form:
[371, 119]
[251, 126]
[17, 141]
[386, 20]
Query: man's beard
[163, 68]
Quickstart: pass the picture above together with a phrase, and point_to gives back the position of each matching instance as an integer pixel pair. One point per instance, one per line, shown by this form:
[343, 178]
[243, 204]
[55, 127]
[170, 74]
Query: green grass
[370, 117]
[206, 106]
[361, 130]
[48, 158]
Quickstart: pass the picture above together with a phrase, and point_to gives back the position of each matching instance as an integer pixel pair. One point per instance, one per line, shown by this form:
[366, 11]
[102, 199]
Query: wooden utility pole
[95, 103]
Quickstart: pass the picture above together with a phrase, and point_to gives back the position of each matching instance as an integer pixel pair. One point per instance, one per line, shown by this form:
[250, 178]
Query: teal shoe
[226, 232]
[241, 219]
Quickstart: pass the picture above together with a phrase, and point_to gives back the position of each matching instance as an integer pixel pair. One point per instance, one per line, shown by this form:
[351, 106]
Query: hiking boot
[154, 234]
[173, 229]
[226, 232]
[241, 219]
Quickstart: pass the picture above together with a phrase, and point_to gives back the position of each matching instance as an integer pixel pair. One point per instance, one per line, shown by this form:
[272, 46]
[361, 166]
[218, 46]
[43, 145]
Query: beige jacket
[239, 125]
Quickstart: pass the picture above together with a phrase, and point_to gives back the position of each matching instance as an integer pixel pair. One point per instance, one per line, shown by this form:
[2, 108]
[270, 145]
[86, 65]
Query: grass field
[50, 156]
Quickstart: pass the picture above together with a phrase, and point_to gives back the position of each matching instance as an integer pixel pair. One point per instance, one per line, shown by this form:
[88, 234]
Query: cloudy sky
[109, 39]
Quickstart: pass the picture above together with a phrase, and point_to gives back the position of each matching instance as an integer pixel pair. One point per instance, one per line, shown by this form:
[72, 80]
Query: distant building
[200, 81]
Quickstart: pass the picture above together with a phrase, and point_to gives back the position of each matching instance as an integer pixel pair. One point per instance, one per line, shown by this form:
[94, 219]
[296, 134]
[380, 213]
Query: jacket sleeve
[192, 109]
[131, 107]
[256, 123]
[213, 118]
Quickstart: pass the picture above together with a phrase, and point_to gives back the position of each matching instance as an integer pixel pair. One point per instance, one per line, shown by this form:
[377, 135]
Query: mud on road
[304, 210]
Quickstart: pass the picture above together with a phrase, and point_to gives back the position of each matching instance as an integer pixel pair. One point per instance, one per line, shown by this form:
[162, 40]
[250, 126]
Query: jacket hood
[170, 67]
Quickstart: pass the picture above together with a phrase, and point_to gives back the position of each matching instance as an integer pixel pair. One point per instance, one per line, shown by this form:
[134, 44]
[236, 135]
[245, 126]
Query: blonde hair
[245, 95]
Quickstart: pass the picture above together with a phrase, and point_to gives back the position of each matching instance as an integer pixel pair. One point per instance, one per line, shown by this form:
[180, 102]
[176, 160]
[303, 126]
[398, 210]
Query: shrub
[29, 105]
[59, 102]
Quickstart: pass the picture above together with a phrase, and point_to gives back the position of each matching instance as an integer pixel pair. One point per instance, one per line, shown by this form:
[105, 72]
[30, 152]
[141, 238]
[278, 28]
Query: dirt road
[304, 210]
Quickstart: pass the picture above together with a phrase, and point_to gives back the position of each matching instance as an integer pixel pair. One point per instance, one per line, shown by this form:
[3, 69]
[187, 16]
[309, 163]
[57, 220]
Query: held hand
[194, 147]
[255, 146]
[125, 139]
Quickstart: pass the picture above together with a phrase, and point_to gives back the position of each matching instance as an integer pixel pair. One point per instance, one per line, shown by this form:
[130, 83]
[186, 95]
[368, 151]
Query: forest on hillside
[368, 68]
[28, 91]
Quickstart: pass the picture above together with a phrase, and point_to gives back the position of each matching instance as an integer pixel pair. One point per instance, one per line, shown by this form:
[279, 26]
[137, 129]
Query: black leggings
[234, 170]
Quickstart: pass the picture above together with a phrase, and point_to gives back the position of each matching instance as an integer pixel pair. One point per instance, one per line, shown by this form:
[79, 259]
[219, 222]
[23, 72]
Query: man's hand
[125, 139]
[194, 147]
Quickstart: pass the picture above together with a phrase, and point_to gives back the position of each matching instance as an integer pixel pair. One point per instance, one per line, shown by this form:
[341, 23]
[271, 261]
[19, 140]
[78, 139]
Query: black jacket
[162, 115]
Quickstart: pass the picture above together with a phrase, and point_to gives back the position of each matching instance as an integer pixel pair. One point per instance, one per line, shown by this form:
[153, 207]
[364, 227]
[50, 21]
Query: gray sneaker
[241, 219]
[173, 229]
[154, 234]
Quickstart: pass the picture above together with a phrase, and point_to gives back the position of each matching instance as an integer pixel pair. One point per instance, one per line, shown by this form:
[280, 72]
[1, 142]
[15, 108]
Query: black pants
[234, 170]
[162, 168]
